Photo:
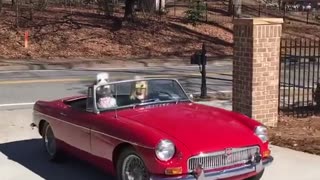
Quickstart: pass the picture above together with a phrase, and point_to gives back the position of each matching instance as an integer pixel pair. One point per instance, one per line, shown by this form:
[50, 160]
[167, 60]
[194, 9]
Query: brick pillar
[256, 68]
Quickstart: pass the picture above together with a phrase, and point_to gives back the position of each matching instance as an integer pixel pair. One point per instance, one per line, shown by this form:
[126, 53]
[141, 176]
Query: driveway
[22, 157]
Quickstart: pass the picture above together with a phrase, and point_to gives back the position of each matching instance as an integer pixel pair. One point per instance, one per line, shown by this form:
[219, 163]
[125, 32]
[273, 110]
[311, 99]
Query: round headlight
[262, 133]
[165, 150]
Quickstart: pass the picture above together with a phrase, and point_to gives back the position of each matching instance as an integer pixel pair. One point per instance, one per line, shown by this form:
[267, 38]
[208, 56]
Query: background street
[22, 88]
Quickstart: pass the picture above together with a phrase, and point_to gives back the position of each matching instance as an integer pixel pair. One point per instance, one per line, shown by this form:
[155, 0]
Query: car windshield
[138, 92]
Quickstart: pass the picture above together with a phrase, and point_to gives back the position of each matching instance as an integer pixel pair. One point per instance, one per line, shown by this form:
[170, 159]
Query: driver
[140, 91]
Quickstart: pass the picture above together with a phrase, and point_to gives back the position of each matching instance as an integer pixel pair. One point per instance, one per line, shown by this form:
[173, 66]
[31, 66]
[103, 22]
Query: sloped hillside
[57, 32]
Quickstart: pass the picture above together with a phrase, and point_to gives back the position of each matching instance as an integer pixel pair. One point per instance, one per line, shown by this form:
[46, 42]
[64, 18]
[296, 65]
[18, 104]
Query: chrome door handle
[63, 114]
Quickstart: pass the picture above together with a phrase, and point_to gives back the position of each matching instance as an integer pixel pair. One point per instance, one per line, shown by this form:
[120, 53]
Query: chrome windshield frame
[97, 111]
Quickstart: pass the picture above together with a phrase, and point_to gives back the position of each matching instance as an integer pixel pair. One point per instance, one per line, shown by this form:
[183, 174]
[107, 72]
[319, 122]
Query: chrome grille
[220, 160]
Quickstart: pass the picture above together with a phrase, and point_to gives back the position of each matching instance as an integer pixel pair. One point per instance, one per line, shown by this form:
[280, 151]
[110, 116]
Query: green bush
[196, 11]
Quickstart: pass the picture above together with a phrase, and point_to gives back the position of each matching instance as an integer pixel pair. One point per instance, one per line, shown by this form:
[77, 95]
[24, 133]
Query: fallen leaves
[57, 33]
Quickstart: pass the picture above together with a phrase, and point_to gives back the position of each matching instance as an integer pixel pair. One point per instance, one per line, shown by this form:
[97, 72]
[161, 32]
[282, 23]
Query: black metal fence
[213, 11]
[311, 16]
[299, 76]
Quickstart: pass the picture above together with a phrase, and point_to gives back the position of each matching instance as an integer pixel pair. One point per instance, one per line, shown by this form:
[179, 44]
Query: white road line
[17, 104]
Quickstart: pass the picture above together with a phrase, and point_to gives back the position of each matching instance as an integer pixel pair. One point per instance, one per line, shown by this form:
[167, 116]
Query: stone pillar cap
[258, 21]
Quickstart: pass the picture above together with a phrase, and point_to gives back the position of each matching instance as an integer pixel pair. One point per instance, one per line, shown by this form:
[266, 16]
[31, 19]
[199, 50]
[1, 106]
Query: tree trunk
[17, 13]
[30, 10]
[0, 5]
[147, 5]
[129, 8]
[42, 4]
[230, 7]
[108, 7]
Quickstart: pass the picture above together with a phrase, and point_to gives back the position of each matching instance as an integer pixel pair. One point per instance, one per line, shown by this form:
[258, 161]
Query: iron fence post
[259, 8]
[233, 11]
[174, 7]
[284, 13]
[203, 72]
[308, 16]
[206, 11]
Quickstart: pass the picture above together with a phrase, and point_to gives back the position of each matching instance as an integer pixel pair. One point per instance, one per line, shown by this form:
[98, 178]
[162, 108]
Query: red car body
[195, 130]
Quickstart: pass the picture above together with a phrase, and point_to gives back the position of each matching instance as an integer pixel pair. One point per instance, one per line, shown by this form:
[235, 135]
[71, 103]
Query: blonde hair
[136, 85]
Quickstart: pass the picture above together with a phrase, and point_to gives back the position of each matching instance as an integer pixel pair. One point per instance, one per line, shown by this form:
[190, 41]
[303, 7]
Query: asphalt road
[25, 87]
[22, 88]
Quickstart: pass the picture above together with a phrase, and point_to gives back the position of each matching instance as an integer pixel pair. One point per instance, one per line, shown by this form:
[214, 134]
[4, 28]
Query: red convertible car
[151, 129]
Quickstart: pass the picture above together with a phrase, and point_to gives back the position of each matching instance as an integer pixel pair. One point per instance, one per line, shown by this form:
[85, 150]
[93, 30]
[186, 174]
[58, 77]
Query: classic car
[150, 128]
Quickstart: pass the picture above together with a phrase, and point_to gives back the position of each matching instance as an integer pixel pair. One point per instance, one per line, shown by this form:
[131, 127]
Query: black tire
[256, 177]
[53, 152]
[124, 161]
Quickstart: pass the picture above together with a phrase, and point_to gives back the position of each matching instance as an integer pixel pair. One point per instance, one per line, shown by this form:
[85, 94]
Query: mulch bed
[302, 134]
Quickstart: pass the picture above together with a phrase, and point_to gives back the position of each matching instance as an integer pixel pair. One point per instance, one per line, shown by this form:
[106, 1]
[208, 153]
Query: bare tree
[230, 7]
[129, 9]
[42, 4]
[0, 5]
[17, 13]
[31, 10]
[107, 6]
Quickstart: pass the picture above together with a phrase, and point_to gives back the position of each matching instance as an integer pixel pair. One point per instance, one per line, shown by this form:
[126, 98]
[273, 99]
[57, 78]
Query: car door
[102, 135]
[76, 127]
[103, 125]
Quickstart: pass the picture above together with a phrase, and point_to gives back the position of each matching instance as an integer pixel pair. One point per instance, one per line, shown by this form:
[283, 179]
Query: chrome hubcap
[133, 169]
[50, 141]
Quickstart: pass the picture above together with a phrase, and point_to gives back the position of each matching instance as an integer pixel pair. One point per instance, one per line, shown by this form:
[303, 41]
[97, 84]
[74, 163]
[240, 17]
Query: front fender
[145, 139]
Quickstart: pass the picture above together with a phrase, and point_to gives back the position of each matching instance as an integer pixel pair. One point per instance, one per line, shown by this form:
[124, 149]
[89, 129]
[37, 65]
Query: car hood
[197, 126]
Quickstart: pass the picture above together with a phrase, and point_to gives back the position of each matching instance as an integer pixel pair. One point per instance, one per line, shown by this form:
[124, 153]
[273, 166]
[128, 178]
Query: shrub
[196, 11]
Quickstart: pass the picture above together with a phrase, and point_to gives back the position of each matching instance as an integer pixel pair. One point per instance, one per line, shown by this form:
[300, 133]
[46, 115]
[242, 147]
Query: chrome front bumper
[228, 173]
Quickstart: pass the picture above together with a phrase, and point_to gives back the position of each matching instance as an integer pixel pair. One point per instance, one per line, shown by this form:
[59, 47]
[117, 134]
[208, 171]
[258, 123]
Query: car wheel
[50, 143]
[131, 167]
[256, 177]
